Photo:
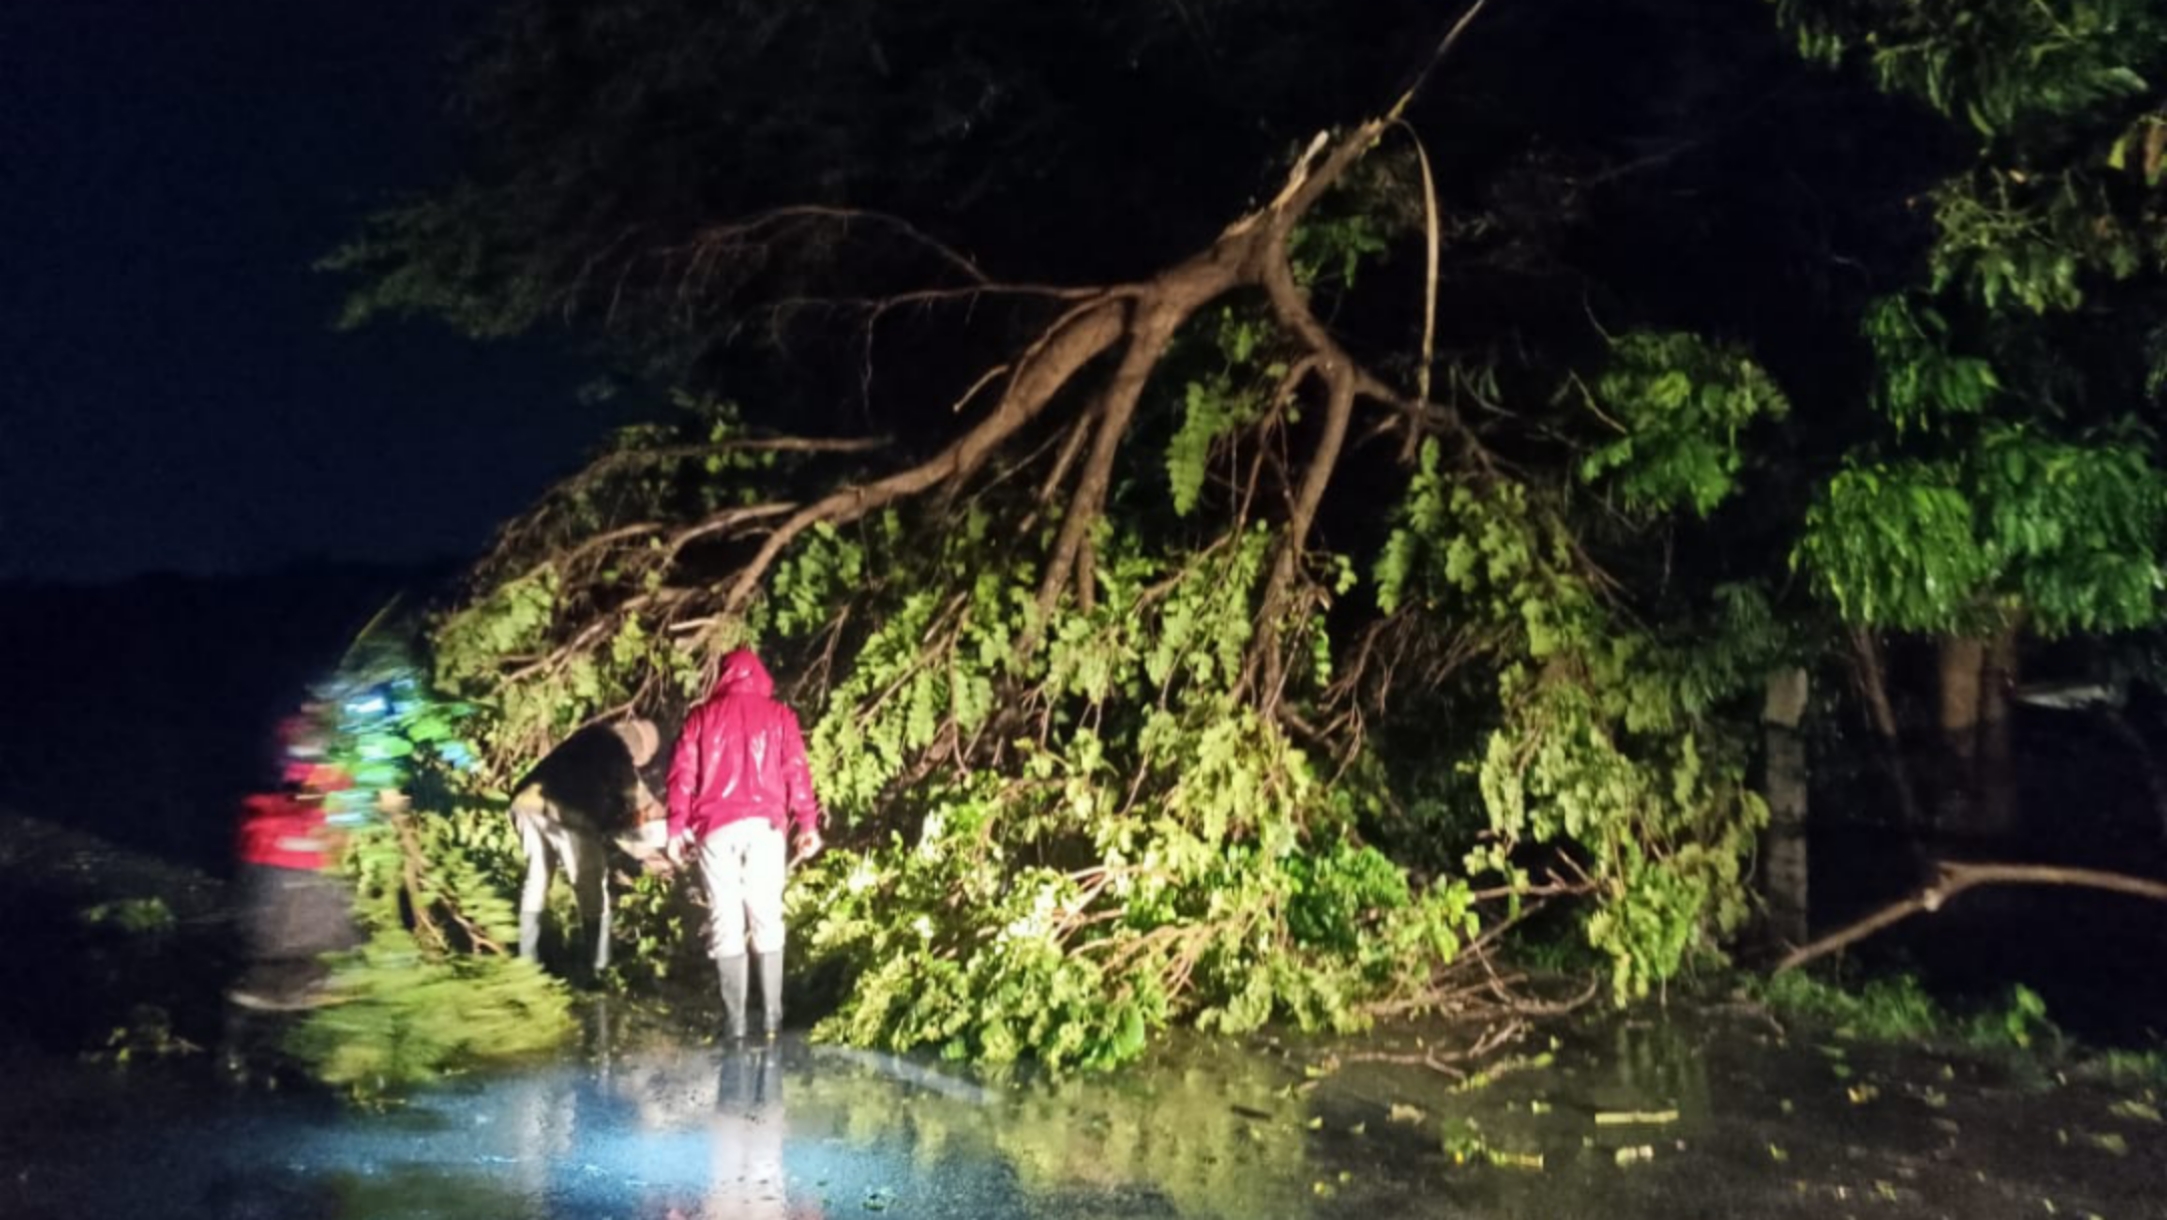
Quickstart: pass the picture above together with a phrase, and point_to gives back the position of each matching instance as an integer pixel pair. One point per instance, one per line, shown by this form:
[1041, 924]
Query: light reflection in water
[799, 1132]
[1637, 1118]
[661, 1131]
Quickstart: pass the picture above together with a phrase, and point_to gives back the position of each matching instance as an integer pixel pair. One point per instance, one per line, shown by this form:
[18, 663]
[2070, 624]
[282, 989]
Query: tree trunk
[2000, 805]
[1784, 846]
[1956, 803]
[1874, 689]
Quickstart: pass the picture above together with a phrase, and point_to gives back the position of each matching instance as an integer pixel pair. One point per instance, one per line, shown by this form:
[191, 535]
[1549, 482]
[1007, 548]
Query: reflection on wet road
[1632, 1119]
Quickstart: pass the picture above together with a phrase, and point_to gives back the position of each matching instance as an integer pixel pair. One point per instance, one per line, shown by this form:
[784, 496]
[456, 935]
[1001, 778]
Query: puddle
[1701, 1116]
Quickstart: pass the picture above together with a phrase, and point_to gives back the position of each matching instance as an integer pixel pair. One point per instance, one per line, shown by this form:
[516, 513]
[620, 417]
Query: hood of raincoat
[743, 674]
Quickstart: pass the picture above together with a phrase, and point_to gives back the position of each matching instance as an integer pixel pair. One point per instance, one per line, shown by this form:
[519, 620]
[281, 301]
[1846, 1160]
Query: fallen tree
[1249, 618]
[1112, 731]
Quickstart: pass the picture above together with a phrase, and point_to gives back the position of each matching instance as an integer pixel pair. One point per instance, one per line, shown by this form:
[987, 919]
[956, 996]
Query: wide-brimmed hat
[640, 737]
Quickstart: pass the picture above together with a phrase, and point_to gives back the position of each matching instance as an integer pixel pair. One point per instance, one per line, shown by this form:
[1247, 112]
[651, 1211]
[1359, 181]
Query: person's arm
[646, 839]
[642, 802]
[684, 782]
[798, 795]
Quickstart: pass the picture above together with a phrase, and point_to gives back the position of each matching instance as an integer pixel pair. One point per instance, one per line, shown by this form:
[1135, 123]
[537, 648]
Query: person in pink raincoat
[740, 796]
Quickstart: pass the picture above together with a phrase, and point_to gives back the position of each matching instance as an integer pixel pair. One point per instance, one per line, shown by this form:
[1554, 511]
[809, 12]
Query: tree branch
[1083, 334]
[1952, 879]
[763, 226]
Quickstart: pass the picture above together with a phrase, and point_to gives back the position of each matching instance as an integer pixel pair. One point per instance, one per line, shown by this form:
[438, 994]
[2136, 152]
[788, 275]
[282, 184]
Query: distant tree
[2012, 482]
[699, 182]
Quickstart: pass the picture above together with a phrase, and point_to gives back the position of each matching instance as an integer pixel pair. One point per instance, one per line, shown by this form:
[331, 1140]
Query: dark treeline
[143, 710]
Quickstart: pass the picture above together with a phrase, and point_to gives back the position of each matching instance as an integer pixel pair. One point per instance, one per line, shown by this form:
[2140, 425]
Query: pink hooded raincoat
[741, 755]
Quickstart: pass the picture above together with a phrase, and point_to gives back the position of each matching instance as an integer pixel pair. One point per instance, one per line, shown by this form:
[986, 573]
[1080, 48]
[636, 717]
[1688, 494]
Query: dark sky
[172, 396]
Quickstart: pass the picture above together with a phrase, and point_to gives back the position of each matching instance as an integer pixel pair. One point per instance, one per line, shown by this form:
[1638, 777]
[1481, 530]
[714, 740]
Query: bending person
[738, 779]
[585, 795]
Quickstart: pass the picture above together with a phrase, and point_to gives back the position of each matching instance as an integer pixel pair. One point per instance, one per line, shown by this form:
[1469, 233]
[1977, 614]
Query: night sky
[172, 395]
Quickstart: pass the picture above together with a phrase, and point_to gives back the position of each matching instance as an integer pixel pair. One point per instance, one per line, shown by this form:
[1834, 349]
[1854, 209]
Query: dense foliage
[2017, 478]
[433, 988]
[1065, 829]
[1261, 604]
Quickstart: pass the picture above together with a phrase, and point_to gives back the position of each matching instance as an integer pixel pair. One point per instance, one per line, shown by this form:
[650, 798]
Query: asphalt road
[1692, 1112]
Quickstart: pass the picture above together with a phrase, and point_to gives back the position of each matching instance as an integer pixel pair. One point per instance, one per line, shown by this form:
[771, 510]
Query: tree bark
[1187, 288]
[1962, 662]
[2000, 805]
[1784, 850]
[1874, 689]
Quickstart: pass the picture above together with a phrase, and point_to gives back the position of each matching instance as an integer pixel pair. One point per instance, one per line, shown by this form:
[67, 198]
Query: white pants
[744, 864]
[548, 844]
[552, 840]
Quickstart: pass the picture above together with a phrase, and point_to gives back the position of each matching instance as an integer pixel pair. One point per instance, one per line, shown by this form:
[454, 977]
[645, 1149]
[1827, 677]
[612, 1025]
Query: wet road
[1714, 1117]
[1717, 1112]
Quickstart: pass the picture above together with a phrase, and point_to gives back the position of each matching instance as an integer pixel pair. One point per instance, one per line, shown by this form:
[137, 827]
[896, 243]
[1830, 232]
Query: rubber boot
[530, 933]
[768, 1094]
[771, 992]
[733, 995]
[734, 1090]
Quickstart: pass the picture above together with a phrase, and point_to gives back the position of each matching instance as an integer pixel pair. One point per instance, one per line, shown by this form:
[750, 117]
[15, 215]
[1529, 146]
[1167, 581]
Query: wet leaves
[1326, 1188]
[2108, 1141]
[2134, 1109]
[1637, 1118]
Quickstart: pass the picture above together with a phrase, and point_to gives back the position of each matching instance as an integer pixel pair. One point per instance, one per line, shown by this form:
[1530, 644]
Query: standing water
[1693, 1112]
[1711, 1115]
